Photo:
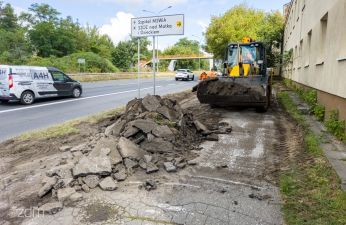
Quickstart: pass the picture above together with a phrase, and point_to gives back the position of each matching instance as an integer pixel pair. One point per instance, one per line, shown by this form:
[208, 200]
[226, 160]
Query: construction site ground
[234, 179]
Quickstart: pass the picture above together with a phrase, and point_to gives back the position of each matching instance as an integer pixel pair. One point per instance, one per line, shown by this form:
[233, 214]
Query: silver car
[184, 74]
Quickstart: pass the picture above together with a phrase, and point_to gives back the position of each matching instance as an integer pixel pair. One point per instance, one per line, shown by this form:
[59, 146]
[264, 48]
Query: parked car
[27, 83]
[184, 74]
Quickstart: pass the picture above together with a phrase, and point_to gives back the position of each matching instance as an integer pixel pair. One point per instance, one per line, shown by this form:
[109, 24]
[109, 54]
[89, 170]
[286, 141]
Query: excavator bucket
[245, 81]
[235, 91]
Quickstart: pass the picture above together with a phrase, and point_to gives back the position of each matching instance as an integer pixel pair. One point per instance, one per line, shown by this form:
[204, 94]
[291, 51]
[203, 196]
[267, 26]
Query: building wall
[316, 31]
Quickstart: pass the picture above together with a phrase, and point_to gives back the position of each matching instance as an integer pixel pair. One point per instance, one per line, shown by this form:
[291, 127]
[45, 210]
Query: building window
[323, 40]
[300, 54]
[308, 49]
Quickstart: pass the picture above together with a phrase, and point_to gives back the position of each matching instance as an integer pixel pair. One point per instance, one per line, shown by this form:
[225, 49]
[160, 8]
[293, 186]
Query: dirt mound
[211, 90]
[152, 134]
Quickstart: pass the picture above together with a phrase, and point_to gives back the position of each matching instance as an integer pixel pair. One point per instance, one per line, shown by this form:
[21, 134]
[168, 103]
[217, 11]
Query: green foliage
[8, 20]
[310, 190]
[309, 96]
[125, 54]
[319, 112]
[287, 58]
[289, 105]
[242, 21]
[185, 47]
[335, 126]
[94, 63]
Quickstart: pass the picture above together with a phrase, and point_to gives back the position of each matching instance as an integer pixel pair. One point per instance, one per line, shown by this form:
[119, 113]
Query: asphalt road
[97, 97]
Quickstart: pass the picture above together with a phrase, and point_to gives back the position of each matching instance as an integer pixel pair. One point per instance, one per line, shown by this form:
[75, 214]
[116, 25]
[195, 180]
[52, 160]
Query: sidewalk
[334, 150]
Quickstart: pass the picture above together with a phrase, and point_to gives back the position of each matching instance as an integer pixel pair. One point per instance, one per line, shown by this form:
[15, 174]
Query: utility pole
[154, 69]
[139, 68]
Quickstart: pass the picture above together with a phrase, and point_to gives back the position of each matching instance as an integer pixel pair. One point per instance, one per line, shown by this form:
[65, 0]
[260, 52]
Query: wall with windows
[316, 32]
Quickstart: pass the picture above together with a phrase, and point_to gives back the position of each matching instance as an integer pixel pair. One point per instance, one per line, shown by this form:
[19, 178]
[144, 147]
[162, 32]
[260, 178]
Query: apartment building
[315, 32]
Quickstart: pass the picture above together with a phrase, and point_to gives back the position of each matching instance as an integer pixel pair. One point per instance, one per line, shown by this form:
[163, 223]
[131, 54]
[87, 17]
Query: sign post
[81, 61]
[157, 26]
[139, 68]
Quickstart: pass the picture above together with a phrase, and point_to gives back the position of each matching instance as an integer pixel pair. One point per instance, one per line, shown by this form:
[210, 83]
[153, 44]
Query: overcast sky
[113, 16]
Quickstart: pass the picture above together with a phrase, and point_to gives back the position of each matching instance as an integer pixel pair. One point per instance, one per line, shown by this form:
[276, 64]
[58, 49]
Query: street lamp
[157, 38]
[199, 58]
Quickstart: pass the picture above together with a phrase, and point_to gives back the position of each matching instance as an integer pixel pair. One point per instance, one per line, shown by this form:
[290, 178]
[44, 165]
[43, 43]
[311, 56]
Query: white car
[27, 83]
[184, 74]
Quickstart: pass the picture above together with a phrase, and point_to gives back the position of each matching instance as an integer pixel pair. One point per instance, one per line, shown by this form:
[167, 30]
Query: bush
[319, 112]
[94, 63]
[335, 126]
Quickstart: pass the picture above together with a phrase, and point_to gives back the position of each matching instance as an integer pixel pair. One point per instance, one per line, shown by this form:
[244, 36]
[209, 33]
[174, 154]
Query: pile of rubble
[152, 134]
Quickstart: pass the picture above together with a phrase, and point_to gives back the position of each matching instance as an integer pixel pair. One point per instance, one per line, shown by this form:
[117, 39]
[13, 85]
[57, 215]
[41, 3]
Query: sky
[113, 16]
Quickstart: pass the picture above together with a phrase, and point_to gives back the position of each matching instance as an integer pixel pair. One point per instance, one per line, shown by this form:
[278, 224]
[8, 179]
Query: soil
[22, 162]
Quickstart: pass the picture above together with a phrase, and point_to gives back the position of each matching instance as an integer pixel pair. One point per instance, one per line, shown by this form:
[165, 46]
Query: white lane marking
[73, 100]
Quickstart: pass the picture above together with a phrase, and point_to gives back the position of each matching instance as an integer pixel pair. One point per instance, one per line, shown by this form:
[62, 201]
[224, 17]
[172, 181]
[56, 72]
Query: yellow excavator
[245, 80]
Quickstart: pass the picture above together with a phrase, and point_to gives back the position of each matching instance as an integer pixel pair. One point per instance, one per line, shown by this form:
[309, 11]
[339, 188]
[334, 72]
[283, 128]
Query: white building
[316, 33]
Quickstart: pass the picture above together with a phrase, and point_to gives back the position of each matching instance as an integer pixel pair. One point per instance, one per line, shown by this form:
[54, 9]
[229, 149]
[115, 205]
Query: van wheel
[27, 98]
[76, 93]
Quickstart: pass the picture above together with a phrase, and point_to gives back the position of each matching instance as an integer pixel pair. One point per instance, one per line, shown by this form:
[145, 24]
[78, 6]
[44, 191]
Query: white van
[27, 83]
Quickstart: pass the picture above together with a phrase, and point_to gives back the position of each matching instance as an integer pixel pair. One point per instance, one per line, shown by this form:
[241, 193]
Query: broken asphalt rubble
[152, 134]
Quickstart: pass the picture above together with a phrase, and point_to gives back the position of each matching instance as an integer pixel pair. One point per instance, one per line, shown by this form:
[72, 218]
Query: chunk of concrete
[120, 176]
[151, 102]
[65, 193]
[108, 184]
[92, 165]
[129, 132]
[62, 171]
[75, 197]
[129, 163]
[151, 168]
[85, 188]
[212, 137]
[158, 145]
[91, 181]
[116, 128]
[51, 208]
[145, 125]
[128, 149]
[200, 126]
[65, 148]
[148, 158]
[170, 114]
[164, 132]
[169, 167]
[115, 157]
[79, 147]
[49, 184]
[150, 185]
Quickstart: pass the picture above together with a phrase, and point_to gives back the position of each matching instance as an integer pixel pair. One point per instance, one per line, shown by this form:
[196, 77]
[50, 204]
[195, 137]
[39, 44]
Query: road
[97, 97]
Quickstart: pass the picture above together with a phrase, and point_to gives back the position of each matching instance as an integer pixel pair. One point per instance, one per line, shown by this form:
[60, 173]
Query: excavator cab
[245, 81]
[245, 59]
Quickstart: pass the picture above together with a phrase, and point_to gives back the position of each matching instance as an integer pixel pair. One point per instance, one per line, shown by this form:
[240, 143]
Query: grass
[114, 76]
[69, 127]
[310, 189]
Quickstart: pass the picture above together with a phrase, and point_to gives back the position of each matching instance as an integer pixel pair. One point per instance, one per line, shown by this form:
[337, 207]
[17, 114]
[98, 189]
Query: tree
[43, 13]
[125, 55]
[242, 21]
[8, 20]
[185, 47]
[14, 47]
